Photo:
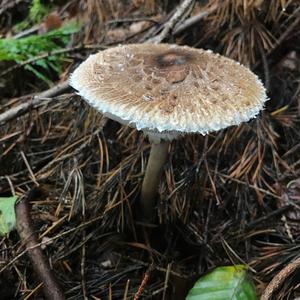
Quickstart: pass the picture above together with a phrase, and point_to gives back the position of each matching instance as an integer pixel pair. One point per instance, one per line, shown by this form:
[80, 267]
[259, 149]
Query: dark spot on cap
[196, 84]
[137, 77]
[171, 59]
[135, 62]
[164, 91]
[173, 101]
[148, 87]
[156, 81]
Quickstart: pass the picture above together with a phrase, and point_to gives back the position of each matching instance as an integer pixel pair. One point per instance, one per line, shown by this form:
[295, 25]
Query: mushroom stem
[157, 158]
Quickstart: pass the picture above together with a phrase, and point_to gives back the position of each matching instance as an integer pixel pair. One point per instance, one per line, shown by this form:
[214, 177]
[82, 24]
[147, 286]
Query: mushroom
[167, 91]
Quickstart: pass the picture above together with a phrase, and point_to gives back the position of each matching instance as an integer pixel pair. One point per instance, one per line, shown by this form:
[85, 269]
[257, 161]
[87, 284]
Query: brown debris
[279, 279]
[51, 288]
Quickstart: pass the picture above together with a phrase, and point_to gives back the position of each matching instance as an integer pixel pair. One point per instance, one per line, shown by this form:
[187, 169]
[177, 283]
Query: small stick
[193, 20]
[18, 256]
[277, 281]
[265, 66]
[143, 283]
[52, 290]
[29, 168]
[166, 281]
[126, 290]
[82, 265]
[37, 100]
[169, 26]
[9, 5]
[268, 216]
[55, 90]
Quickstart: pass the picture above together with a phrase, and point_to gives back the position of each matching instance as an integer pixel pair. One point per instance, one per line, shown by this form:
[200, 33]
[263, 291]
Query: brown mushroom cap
[168, 88]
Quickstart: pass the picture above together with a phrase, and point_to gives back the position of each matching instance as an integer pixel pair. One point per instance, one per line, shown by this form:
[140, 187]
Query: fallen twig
[7, 5]
[39, 262]
[193, 20]
[265, 65]
[35, 102]
[143, 283]
[169, 26]
[277, 281]
[266, 217]
[82, 225]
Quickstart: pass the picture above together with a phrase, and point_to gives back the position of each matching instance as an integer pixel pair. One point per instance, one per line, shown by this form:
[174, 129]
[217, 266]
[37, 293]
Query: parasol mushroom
[167, 91]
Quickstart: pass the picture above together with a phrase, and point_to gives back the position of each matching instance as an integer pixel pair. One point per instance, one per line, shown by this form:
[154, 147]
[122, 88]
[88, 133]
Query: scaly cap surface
[168, 89]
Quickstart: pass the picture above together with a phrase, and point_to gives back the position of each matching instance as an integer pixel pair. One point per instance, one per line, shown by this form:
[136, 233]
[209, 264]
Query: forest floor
[229, 197]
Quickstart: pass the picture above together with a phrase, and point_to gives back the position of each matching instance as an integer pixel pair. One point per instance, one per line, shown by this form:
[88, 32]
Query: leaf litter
[230, 197]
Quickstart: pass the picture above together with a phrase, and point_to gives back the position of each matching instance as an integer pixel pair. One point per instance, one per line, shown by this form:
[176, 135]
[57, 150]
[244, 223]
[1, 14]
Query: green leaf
[20, 50]
[36, 13]
[224, 283]
[7, 214]
[38, 74]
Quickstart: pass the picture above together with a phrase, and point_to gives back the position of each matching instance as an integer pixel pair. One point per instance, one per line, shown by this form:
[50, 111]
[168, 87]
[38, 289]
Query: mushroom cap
[166, 89]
